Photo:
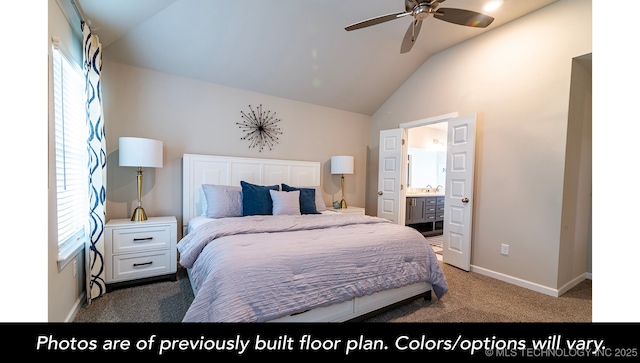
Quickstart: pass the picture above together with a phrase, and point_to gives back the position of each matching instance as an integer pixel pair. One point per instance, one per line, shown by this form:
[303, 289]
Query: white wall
[197, 117]
[516, 78]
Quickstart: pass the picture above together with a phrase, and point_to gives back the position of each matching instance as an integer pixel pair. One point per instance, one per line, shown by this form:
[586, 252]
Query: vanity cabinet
[440, 209]
[425, 213]
[415, 210]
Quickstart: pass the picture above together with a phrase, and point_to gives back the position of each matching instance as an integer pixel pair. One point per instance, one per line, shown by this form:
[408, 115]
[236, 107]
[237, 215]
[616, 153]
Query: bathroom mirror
[426, 168]
[427, 156]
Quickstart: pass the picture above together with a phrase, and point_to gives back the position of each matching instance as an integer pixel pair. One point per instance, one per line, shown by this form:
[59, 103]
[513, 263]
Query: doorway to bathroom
[426, 173]
[457, 190]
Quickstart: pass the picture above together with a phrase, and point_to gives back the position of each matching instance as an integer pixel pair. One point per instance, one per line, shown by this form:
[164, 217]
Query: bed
[259, 245]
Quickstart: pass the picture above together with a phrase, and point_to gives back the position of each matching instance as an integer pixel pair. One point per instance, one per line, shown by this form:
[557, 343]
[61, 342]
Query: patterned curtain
[94, 255]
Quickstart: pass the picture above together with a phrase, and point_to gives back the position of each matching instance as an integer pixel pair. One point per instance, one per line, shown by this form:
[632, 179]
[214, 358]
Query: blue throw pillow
[256, 199]
[307, 199]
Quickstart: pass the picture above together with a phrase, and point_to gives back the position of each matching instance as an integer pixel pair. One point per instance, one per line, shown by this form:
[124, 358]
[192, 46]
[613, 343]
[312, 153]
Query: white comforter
[260, 268]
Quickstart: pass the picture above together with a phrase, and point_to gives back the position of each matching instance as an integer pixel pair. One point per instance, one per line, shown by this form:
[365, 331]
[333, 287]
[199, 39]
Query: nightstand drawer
[129, 240]
[140, 265]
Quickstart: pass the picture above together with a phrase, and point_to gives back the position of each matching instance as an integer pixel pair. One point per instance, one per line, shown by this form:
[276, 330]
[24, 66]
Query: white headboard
[228, 170]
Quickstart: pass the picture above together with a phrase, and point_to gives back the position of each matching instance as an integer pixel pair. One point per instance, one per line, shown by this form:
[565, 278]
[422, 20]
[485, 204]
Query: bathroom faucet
[428, 186]
[438, 188]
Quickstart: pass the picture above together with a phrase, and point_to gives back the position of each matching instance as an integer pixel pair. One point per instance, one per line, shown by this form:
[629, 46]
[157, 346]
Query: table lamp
[140, 153]
[342, 165]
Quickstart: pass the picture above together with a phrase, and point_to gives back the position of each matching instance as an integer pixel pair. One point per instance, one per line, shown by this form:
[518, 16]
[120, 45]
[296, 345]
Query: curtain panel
[94, 251]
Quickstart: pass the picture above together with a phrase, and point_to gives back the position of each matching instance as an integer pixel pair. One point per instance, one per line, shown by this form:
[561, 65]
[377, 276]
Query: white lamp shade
[139, 152]
[342, 165]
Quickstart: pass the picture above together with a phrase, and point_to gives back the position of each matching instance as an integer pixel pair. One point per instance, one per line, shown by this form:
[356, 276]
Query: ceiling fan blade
[463, 17]
[376, 20]
[410, 36]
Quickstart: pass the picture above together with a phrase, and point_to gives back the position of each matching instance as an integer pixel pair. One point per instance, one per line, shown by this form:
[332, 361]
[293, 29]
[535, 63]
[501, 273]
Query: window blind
[71, 153]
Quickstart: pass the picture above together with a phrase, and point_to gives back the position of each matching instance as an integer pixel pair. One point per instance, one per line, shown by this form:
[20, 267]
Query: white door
[461, 139]
[392, 175]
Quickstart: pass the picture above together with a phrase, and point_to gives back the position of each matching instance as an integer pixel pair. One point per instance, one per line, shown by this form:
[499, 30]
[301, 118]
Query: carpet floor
[472, 297]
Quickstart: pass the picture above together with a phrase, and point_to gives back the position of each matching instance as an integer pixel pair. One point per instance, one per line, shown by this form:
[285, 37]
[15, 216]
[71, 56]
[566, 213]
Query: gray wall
[196, 117]
[575, 237]
[517, 80]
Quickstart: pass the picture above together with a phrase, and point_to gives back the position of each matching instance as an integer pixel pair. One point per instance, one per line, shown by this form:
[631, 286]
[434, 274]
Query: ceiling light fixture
[492, 5]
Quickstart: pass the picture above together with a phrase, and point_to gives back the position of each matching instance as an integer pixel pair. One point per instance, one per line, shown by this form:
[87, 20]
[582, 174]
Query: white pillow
[222, 201]
[285, 203]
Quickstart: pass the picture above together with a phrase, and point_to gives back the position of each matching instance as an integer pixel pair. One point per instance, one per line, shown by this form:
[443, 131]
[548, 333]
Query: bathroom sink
[425, 194]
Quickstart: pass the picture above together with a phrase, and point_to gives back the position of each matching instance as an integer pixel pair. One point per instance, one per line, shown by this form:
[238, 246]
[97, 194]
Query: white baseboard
[571, 284]
[531, 285]
[76, 307]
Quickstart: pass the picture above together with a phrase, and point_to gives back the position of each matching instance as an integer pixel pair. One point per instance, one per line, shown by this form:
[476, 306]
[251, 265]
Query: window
[72, 172]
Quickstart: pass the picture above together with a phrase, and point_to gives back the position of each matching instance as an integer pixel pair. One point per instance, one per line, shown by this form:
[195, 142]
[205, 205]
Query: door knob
[380, 193]
[465, 200]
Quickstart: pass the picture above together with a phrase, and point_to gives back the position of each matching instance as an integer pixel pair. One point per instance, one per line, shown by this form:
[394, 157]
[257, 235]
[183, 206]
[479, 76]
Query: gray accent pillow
[222, 201]
[307, 199]
[285, 203]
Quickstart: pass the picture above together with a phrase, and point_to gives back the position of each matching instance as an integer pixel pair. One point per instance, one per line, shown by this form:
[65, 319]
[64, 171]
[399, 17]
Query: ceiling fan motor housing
[421, 12]
[423, 9]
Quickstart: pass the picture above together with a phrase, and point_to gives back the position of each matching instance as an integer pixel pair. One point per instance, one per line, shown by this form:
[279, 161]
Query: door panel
[392, 175]
[459, 192]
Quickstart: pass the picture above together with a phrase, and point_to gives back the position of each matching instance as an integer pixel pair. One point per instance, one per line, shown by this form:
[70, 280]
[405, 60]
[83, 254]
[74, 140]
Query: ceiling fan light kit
[492, 5]
[421, 10]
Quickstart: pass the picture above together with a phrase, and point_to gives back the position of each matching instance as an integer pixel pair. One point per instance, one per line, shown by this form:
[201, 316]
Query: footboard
[361, 307]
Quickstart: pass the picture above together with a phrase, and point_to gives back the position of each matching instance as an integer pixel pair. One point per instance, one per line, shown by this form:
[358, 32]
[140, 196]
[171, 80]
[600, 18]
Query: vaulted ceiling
[294, 49]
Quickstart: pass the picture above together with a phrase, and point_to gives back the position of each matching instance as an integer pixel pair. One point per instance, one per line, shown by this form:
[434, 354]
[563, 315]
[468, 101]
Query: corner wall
[575, 237]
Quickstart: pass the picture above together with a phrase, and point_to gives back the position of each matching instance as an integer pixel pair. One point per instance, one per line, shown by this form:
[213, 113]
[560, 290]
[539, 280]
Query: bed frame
[227, 170]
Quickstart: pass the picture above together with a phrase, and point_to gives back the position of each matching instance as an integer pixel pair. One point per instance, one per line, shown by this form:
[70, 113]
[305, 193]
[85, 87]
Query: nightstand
[350, 210]
[137, 252]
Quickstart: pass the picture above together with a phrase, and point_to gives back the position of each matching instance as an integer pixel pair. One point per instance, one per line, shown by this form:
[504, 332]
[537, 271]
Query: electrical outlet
[75, 268]
[504, 249]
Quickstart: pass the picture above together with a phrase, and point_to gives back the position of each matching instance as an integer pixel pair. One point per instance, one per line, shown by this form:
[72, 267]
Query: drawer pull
[142, 264]
[142, 239]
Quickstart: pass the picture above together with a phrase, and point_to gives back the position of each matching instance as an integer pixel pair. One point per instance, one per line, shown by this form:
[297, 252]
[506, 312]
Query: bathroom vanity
[425, 212]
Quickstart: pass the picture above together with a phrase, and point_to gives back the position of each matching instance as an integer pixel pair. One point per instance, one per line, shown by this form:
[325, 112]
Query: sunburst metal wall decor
[260, 128]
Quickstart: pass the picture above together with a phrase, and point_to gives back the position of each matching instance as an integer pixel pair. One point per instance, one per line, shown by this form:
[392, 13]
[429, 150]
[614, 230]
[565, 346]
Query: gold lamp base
[343, 202]
[139, 215]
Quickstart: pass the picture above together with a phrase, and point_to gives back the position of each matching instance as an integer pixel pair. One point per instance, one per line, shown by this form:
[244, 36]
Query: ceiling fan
[420, 10]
